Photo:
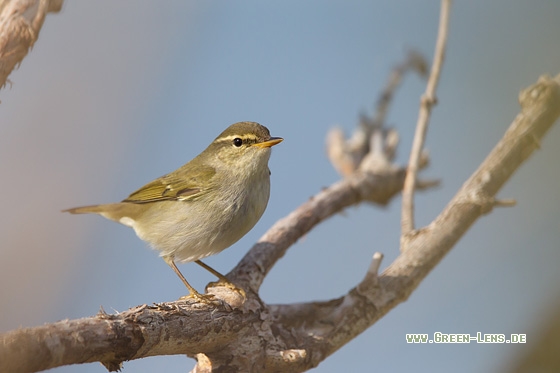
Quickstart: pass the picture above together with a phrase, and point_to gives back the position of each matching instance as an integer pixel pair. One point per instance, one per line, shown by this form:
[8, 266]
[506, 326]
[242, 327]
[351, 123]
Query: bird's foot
[202, 298]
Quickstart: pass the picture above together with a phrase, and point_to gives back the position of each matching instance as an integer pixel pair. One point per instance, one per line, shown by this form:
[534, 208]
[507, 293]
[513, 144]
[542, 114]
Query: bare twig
[346, 155]
[427, 101]
[367, 288]
[414, 61]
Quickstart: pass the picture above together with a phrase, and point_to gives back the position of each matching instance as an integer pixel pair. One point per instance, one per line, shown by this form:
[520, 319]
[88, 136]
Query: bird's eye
[237, 142]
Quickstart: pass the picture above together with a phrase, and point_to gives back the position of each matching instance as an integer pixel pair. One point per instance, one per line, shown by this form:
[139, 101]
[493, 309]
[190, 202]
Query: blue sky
[115, 94]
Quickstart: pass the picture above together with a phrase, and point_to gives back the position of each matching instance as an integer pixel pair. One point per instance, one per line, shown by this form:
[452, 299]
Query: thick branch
[166, 329]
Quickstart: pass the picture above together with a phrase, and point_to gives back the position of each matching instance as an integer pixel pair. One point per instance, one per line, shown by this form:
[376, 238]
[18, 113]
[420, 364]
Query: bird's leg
[192, 291]
[223, 279]
[213, 271]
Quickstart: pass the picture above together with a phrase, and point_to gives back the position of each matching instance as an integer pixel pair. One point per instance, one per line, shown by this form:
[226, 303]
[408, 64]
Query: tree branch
[427, 101]
[377, 188]
[20, 23]
[162, 329]
[240, 335]
[293, 337]
[338, 321]
[347, 155]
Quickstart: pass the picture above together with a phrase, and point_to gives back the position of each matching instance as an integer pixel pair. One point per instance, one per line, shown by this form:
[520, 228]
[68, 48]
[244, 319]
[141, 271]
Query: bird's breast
[192, 230]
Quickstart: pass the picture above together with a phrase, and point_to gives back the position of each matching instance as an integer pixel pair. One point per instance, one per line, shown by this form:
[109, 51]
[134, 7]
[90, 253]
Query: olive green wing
[180, 185]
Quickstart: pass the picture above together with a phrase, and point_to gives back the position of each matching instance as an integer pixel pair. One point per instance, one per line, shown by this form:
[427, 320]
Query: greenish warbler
[204, 206]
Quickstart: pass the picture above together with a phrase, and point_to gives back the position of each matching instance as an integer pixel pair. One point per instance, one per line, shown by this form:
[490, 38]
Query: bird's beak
[270, 142]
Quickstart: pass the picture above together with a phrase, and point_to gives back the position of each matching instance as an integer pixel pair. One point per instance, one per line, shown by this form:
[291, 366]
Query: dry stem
[426, 103]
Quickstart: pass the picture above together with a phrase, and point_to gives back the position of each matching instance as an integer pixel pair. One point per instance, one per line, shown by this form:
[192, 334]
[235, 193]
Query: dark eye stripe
[245, 139]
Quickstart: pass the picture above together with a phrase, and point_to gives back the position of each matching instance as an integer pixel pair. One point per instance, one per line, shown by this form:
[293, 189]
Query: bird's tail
[122, 212]
[93, 209]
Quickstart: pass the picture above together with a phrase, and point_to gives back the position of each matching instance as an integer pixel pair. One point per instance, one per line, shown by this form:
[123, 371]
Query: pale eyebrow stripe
[231, 137]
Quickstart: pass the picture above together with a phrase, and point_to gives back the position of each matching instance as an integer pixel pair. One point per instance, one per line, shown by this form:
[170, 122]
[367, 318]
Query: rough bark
[250, 335]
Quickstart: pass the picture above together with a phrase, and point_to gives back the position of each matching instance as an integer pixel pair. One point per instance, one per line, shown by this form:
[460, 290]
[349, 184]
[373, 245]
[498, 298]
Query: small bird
[204, 206]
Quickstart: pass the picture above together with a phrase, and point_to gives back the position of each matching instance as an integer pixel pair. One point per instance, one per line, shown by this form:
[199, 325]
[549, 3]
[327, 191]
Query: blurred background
[115, 94]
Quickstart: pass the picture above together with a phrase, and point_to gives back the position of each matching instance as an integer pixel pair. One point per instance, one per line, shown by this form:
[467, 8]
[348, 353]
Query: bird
[206, 205]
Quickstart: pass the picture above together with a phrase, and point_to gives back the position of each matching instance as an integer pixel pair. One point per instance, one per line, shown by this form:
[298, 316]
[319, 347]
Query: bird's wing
[181, 185]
